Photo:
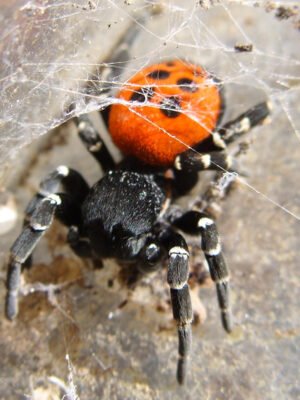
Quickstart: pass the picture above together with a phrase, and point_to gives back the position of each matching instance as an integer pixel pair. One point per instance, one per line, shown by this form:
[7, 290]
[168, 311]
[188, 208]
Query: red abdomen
[164, 109]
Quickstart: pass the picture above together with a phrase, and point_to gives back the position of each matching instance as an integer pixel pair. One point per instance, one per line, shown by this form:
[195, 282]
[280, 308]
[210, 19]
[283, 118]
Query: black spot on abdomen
[159, 74]
[170, 107]
[187, 85]
[143, 94]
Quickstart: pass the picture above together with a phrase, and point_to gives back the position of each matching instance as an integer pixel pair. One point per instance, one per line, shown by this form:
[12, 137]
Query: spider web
[49, 50]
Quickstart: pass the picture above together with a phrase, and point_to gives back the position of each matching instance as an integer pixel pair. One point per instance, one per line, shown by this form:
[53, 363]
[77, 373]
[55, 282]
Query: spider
[167, 122]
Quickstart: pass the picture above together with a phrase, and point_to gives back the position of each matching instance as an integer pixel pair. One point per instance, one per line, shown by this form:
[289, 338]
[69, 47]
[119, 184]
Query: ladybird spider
[167, 119]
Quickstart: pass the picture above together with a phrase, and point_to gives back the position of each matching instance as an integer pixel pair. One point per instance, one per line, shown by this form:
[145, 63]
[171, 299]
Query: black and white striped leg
[93, 142]
[256, 115]
[194, 222]
[209, 155]
[191, 160]
[40, 220]
[39, 215]
[67, 180]
[211, 247]
[61, 179]
[178, 274]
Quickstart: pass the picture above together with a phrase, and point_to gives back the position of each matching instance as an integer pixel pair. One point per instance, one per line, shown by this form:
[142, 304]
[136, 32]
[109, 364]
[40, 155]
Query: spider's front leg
[39, 221]
[178, 274]
[39, 216]
[194, 222]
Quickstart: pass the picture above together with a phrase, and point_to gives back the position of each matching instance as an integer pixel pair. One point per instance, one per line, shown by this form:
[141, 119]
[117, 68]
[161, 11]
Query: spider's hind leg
[93, 142]
[211, 153]
[256, 115]
[101, 84]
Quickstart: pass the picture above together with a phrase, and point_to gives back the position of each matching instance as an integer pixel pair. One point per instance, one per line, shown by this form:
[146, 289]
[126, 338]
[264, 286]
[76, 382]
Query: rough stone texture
[130, 353]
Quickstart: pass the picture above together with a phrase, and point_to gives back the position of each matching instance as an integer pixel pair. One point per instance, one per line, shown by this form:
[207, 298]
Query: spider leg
[191, 160]
[256, 115]
[39, 216]
[109, 73]
[93, 142]
[207, 155]
[64, 178]
[178, 273]
[194, 222]
[22, 248]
